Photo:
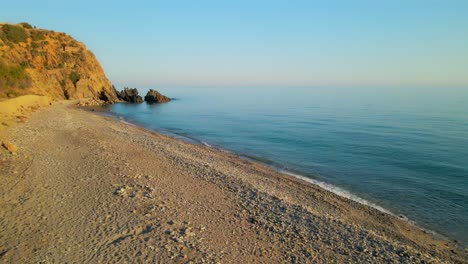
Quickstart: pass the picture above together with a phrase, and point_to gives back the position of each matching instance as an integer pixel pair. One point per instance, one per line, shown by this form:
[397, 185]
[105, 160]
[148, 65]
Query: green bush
[62, 83]
[14, 33]
[13, 77]
[37, 35]
[26, 25]
[12, 94]
[3, 36]
[35, 45]
[65, 57]
[74, 77]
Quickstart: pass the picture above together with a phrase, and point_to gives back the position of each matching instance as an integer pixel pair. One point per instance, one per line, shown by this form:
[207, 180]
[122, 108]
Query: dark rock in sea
[154, 96]
[130, 95]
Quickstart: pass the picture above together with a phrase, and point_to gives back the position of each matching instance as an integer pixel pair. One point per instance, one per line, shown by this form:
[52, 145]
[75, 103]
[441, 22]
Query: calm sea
[403, 149]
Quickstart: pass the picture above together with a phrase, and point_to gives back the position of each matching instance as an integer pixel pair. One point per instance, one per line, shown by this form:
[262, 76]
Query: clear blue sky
[248, 42]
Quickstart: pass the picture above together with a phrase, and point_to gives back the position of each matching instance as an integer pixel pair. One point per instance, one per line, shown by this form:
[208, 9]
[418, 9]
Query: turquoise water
[404, 149]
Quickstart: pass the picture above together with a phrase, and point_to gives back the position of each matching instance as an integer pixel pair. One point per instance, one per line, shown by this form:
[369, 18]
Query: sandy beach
[86, 188]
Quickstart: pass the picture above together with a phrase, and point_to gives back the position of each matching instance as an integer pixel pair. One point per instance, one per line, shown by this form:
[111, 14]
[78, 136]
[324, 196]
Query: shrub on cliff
[13, 77]
[74, 77]
[26, 25]
[14, 33]
[37, 35]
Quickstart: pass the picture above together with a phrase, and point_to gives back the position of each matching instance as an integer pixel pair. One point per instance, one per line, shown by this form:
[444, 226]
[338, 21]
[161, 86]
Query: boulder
[130, 95]
[154, 96]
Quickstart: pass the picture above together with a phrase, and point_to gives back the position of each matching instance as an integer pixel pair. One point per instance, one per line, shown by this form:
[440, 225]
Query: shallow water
[404, 149]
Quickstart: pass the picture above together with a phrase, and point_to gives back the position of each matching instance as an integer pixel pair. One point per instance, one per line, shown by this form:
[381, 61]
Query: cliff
[44, 62]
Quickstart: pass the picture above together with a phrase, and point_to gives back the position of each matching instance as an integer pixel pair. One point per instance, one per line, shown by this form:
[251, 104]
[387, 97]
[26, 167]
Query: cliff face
[43, 62]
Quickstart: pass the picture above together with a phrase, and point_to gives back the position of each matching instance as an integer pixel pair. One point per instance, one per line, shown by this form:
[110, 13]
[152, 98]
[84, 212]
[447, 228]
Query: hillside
[44, 62]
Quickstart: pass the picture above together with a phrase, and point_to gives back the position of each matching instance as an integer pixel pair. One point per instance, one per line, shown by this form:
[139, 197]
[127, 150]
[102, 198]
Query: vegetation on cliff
[13, 77]
[14, 33]
[43, 62]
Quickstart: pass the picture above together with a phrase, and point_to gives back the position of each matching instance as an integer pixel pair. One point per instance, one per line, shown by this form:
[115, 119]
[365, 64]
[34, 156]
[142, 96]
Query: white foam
[206, 144]
[127, 123]
[338, 191]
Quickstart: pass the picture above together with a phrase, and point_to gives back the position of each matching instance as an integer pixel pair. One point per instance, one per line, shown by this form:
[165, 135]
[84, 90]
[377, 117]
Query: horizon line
[294, 86]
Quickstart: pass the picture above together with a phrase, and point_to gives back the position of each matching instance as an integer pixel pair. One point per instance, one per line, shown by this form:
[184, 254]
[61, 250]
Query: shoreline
[309, 180]
[306, 180]
[118, 190]
[324, 185]
[336, 190]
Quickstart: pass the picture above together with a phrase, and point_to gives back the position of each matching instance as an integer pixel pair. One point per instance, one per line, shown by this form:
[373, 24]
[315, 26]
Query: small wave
[339, 191]
[206, 144]
[346, 194]
[127, 123]
[261, 160]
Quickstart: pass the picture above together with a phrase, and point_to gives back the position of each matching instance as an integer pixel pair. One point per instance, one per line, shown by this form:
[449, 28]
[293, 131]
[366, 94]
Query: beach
[87, 188]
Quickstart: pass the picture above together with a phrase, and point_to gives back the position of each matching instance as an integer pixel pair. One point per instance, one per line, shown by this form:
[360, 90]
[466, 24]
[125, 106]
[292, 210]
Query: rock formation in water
[130, 95]
[43, 62]
[154, 96]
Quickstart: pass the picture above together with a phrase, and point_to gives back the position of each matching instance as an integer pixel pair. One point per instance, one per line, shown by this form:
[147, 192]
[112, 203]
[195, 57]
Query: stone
[154, 96]
[130, 95]
[10, 147]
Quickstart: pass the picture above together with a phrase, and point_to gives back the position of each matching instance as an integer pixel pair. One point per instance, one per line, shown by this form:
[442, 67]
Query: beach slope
[87, 188]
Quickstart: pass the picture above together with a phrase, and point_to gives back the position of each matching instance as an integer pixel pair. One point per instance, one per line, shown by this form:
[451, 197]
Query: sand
[18, 109]
[88, 189]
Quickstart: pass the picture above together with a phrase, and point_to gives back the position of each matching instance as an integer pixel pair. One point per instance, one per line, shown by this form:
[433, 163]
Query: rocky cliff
[44, 62]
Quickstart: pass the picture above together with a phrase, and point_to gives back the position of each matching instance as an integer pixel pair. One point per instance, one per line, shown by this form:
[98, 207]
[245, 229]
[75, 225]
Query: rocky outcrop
[130, 95]
[43, 62]
[154, 96]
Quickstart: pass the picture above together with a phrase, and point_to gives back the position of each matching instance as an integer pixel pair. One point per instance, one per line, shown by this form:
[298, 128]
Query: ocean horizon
[402, 150]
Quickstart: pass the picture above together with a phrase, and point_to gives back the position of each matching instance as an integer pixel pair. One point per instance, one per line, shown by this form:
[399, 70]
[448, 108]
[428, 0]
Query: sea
[403, 150]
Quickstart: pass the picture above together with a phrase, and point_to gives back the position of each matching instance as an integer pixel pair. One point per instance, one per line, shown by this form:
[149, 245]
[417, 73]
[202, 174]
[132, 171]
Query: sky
[264, 43]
